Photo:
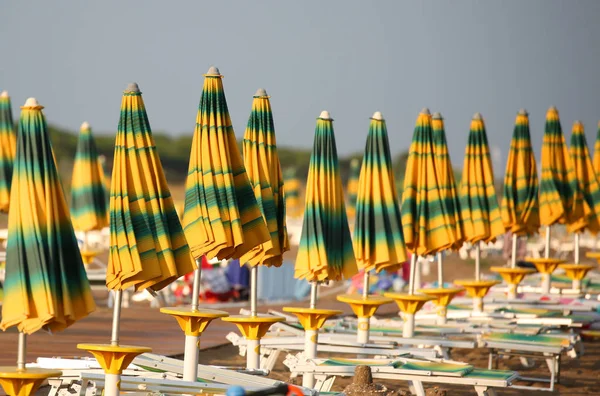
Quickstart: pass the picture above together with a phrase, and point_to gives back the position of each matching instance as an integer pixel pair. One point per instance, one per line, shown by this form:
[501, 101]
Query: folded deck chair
[414, 370]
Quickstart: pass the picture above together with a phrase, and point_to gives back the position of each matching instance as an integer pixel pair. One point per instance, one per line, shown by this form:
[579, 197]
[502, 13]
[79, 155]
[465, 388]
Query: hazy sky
[351, 58]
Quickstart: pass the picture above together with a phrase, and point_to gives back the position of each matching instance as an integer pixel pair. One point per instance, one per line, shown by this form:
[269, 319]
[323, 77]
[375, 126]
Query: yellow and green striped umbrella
[325, 250]
[352, 187]
[556, 193]
[597, 153]
[424, 214]
[445, 179]
[148, 249]
[378, 241]
[221, 217]
[89, 200]
[520, 207]
[264, 172]
[292, 191]
[7, 150]
[585, 183]
[46, 286]
[478, 199]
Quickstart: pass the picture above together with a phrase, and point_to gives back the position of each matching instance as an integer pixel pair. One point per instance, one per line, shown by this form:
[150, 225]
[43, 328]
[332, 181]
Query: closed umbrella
[597, 153]
[89, 199]
[292, 193]
[46, 287]
[7, 150]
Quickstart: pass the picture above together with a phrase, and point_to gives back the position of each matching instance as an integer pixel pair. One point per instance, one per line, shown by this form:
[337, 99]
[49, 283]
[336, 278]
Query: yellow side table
[364, 309]
[545, 266]
[253, 328]
[409, 304]
[477, 289]
[312, 319]
[24, 382]
[192, 322]
[88, 256]
[512, 276]
[576, 272]
[113, 359]
[441, 298]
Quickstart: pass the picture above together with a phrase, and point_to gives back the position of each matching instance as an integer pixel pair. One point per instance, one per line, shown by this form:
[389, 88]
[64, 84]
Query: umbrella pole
[254, 290]
[440, 272]
[547, 248]
[21, 351]
[114, 338]
[313, 294]
[85, 241]
[365, 293]
[513, 263]
[478, 261]
[411, 275]
[191, 351]
[546, 277]
[576, 282]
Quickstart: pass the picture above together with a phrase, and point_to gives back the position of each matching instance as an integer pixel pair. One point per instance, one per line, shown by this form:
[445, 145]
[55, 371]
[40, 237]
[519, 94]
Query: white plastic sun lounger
[415, 371]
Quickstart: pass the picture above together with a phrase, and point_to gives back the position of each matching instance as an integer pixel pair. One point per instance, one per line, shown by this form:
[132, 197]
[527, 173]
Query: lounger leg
[416, 388]
[484, 391]
[551, 362]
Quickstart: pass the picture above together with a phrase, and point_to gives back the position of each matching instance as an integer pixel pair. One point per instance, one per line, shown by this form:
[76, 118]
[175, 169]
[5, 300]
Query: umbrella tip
[477, 116]
[425, 111]
[85, 126]
[437, 116]
[4, 94]
[260, 92]
[31, 102]
[132, 87]
[553, 108]
[213, 70]
[325, 115]
[377, 116]
[523, 112]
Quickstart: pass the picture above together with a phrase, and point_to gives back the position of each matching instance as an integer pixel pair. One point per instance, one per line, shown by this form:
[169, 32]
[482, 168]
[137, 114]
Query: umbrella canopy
[147, 246]
[424, 214]
[292, 193]
[46, 286]
[584, 183]
[89, 200]
[556, 193]
[478, 200]
[446, 182]
[378, 240]
[221, 217]
[520, 208]
[264, 172]
[325, 250]
[352, 187]
[597, 153]
[7, 150]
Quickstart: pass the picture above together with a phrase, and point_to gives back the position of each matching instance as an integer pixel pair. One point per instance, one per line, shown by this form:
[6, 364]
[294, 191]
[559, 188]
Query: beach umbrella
[378, 240]
[520, 207]
[221, 217]
[597, 152]
[89, 199]
[264, 173]
[447, 186]
[7, 150]
[352, 187]
[325, 251]
[478, 201]
[291, 190]
[46, 287]
[585, 183]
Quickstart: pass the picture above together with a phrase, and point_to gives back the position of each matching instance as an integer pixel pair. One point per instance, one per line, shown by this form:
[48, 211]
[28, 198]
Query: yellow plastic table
[545, 265]
[576, 272]
[512, 276]
[477, 289]
[593, 255]
[193, 321]
[441, 298]
[364, 308]
[253, 328]
[24, 382]
[88, 256]
[409, 304]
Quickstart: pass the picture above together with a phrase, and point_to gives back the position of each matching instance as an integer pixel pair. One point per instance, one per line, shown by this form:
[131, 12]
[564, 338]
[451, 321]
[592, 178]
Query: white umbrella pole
[85, 241]
[365, 293]
[576, 283]
[546, 277]
[21, 352]
[411, 275]
[253, 289]
[477, 261]
[111, 384]
[547, 248]
[440, 271]
[313, 294]
[191, 351]
[513, 263]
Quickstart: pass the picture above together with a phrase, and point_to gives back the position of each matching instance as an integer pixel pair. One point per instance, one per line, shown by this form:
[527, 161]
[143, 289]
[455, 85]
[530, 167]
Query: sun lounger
[416, 371]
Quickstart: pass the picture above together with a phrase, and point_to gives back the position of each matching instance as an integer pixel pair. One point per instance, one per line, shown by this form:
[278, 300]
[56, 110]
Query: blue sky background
[349, 57]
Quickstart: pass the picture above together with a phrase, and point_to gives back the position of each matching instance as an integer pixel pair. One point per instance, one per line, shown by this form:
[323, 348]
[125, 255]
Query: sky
[351, 58]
